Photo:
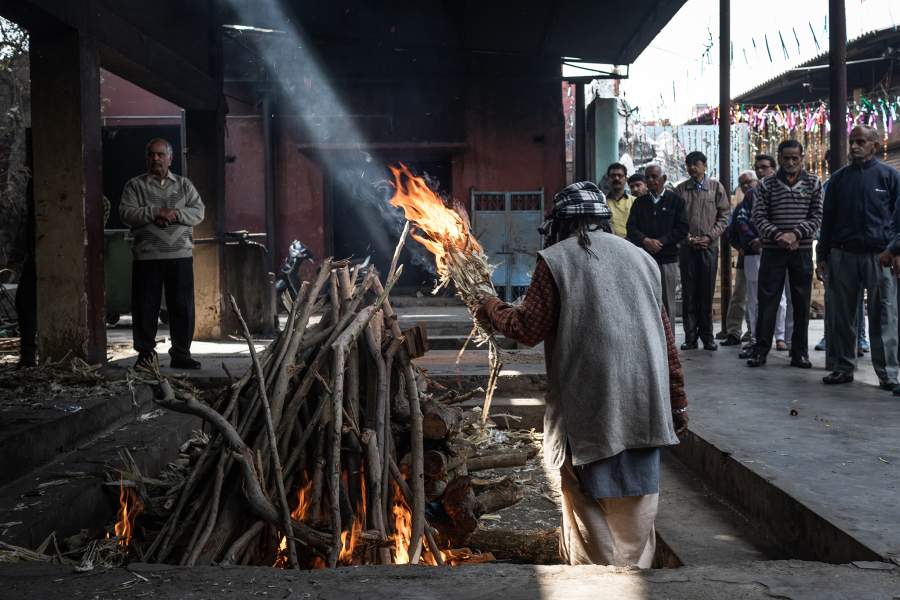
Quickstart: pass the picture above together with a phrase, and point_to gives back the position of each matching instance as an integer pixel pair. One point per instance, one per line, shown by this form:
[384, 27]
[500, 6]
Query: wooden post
[205, 165]
[725, 143]
[68, 195]
[837, 66]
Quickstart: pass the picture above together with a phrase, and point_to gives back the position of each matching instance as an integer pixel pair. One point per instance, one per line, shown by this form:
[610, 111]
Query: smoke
[292, 63]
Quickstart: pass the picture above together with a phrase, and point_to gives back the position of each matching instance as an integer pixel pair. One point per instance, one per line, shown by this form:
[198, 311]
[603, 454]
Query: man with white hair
[857, 248]
[737, 305]
[162, 208]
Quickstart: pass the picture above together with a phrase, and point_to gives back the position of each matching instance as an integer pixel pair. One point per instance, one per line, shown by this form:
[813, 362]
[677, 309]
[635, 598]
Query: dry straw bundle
[458, 256]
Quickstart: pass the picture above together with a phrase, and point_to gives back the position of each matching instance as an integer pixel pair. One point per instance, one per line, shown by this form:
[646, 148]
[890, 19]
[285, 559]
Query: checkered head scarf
[579, 199]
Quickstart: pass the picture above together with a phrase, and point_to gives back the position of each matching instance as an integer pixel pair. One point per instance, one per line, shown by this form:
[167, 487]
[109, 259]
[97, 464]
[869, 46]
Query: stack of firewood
[327, 451]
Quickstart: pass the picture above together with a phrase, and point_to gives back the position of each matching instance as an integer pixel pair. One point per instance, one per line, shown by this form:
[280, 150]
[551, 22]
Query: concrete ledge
[46, 436]
[67, 495]
[749, 581]
[783, 519]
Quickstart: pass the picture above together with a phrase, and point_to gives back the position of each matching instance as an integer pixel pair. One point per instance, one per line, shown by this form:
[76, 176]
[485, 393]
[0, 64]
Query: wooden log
[440, 421]
[309, 294]
[435, 464]
[434, 489]
[499, 496]
[273, 441]
[416, 340]
[497, 461]
[535, 547]
[462, 508]
[237, 548]
[416, 448]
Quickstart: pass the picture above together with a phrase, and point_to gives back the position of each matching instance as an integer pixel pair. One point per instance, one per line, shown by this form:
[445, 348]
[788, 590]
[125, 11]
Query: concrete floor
[757, 580]
[838, 455]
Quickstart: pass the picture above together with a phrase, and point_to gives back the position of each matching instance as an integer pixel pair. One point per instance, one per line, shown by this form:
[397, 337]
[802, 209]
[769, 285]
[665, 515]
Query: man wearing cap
[615, 387]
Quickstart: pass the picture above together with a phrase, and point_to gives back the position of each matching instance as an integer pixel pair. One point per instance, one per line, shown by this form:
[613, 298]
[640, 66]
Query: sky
[680, 67]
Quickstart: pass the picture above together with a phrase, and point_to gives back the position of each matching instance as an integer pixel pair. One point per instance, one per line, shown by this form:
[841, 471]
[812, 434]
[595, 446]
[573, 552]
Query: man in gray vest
[616, 390]
[162, 208]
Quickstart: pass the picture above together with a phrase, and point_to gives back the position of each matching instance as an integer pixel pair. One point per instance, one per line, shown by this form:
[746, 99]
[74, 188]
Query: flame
[303, 502]
[350, 542]
[402, 527]
[442, 228]
[130, 507]
[299, 514]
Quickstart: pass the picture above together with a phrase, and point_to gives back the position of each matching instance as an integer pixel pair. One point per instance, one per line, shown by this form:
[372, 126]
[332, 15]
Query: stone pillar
[205, 153]
[68, 195]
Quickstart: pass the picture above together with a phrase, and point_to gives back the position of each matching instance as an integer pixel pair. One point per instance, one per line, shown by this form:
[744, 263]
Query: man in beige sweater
[162, 208]
[708, 206]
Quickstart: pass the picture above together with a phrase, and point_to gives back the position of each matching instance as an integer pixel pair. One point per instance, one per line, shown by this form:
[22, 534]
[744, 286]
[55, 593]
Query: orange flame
[130, 507]
[402, 527]
[300, 513]
[349, 543]
[442, 228]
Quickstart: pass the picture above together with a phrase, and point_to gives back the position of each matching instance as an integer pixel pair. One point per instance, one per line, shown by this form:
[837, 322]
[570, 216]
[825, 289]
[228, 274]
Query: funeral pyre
[328, 451]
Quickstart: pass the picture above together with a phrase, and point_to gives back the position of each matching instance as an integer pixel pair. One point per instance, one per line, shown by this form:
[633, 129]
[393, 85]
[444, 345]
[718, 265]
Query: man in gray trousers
[860, 229]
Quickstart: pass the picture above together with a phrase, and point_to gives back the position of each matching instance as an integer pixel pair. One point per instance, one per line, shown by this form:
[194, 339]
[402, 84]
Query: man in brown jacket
[708, 207]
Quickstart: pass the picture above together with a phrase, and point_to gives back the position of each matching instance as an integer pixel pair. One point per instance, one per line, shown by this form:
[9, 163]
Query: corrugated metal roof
[854, 51]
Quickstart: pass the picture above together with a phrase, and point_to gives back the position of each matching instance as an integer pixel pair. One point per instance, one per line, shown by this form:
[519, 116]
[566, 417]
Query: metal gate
[506, 224]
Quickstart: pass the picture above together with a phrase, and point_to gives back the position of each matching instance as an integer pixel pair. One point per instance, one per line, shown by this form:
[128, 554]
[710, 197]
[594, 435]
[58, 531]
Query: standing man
[619, 201]
[658, 223]
[162, 208]
[637, 185]
[611, 405]
[737, 306]
[787, 213]
[751, 246]
[860, 225]
[708, 207]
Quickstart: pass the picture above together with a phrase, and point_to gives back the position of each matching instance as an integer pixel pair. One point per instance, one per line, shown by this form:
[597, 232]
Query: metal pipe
[580, 162]
[837, 64]
[269, 180]
[725, 144]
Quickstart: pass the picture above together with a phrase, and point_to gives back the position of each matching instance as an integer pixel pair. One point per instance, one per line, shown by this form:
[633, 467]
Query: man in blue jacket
[860, 228]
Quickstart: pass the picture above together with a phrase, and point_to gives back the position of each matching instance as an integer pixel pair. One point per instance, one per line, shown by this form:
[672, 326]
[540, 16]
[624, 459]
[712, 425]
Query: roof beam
[124, 49]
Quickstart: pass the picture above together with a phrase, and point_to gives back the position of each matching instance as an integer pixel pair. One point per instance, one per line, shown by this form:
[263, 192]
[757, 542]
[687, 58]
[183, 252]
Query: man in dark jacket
[658, 223]
[860, 223]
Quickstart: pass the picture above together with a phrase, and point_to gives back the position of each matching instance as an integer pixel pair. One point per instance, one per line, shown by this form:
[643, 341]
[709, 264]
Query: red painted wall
[514, 131]
[245, 199]
[299, 194]
[121, 98]
[515, 139]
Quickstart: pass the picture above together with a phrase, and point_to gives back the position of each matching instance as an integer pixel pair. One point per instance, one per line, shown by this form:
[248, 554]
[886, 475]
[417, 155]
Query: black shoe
[801, 362]
[757, 360]
[746, 352]
[731, 340]
[721, 335]
[689, 346]
[184, 363]
[837, 377]
[146, 360]
[710, 345]
[860, 353]
[889, 386]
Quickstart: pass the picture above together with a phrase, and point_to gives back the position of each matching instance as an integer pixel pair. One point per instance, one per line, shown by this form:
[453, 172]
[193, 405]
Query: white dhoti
[609, 531]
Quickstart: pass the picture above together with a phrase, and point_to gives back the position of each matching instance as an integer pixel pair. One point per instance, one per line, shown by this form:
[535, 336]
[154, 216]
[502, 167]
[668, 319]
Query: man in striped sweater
[162, 208]
[787, 213]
